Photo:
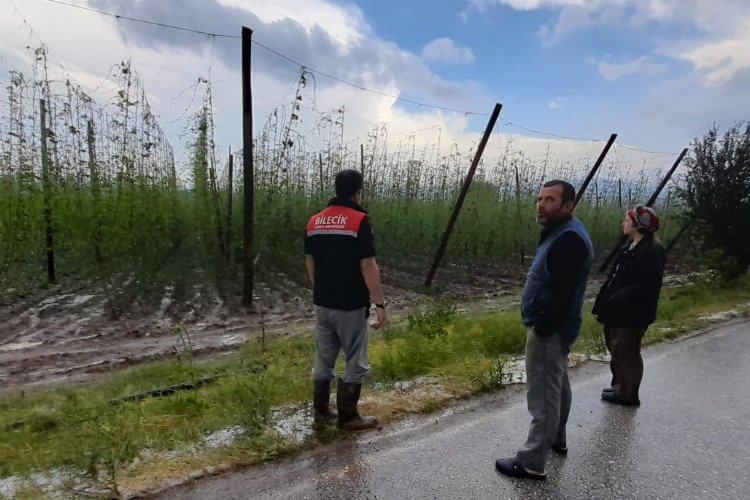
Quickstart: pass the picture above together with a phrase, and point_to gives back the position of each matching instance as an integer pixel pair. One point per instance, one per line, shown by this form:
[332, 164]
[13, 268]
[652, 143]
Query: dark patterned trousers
[624, 344]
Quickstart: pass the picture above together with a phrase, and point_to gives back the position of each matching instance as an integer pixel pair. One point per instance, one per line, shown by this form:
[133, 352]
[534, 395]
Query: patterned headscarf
[644, 218]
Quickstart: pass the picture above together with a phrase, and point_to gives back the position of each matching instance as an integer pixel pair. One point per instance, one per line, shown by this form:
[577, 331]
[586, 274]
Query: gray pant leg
[346, 331]
[327, 344]
[566, 400]
[546, 368]
[352, 327]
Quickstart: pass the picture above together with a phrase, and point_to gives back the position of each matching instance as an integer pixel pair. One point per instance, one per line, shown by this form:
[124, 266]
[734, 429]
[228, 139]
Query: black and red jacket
[338, 238]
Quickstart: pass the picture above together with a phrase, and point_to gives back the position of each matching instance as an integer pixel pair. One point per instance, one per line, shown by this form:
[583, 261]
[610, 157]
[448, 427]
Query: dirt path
[71, 338]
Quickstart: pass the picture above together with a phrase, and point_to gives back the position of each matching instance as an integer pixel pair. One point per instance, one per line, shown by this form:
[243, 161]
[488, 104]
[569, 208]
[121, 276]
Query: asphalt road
[689, 439]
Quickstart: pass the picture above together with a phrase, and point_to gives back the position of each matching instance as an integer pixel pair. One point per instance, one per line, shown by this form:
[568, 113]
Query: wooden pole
[464, 190]
[362, 167]
[595, 167]
[247, 166]
[46, 191]
[666, 178]
[230, 200]
[519, 240]
[95, 193]
[616, 250]
[320, 168]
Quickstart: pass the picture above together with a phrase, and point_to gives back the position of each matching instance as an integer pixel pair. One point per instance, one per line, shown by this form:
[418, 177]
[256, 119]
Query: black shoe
[562, 450]
[608, 389]
[611, 397]
[322, 414]
[349, 419]
[511, 467]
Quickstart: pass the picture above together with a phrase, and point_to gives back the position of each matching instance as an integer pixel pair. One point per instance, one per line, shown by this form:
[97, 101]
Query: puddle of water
[722, 316]
[51, 482]
[295, 422]
[232, 340]
[514, 371]
[409, 385]
[78, 339]
[166, 301]
[18, 346]
[55, 299]
[223, 437]
[603, 358]
[80, 300]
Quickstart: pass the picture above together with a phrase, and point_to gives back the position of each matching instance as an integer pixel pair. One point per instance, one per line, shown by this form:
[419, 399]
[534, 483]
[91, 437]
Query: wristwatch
[382, 305]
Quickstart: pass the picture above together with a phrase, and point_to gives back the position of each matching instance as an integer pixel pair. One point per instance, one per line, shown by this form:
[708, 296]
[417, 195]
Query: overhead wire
[305, 67]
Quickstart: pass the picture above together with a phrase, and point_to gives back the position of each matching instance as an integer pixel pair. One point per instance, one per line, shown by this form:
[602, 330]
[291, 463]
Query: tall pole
[247, 166]
[362, 165]
[666, 178]
[595, 167]
[95, 192]
[230, 201]
[47, 194]
[616, 250]
[320, 169]
[465, 189]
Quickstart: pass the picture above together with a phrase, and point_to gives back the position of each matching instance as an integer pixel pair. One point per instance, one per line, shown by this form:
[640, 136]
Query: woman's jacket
[630, 295]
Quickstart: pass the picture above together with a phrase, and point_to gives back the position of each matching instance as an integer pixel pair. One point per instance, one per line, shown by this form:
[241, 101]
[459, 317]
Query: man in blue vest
[551, 311]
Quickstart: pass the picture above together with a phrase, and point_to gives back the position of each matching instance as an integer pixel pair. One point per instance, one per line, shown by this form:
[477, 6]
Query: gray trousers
[346, 331]
[548, 397]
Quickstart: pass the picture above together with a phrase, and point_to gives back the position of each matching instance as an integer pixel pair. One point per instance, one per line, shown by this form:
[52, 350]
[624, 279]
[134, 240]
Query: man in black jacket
[340, 260]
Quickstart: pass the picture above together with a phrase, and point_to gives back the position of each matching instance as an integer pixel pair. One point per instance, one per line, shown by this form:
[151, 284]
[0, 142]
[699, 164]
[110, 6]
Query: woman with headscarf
[626, 303]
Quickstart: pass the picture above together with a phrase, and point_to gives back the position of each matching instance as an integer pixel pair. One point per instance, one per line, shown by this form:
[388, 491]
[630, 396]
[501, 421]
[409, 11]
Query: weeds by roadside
[77, 430]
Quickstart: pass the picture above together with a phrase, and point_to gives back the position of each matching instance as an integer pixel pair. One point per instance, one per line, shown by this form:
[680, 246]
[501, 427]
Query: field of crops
[96, 188]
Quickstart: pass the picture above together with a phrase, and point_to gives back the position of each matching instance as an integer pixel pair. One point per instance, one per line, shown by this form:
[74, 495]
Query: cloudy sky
[657, 72]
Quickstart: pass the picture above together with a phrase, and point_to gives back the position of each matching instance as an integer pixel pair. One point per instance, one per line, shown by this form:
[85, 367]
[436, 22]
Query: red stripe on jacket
[336, 220]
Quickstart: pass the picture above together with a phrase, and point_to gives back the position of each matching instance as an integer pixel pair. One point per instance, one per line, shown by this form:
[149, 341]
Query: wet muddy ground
[70, 337]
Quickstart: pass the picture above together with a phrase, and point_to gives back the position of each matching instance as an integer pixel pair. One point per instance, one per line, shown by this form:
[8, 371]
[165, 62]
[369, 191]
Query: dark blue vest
[536, 293]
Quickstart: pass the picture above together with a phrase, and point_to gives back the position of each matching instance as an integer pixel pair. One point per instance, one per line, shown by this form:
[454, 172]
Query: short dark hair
[348, 182]
[568, 191]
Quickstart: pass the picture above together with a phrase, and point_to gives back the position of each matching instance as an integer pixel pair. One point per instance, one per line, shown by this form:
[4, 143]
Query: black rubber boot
[321, 395]
[347, 398]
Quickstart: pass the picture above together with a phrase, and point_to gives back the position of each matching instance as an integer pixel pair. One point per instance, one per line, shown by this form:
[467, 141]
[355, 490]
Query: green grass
[80, 429]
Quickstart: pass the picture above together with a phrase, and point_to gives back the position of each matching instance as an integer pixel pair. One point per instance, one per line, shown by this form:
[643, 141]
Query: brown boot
[321, 411]
[347, 400]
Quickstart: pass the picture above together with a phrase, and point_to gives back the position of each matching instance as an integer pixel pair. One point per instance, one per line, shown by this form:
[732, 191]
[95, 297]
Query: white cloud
[343, 23]
[708, 15]
[445, 50]
[640, 66]
[719, 53]
[326, 35]
[571, 19]
[557, 103]
[526, 4]
[722, 59]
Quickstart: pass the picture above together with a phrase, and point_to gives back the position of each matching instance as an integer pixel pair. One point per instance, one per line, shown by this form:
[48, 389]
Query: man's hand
[382, 318]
